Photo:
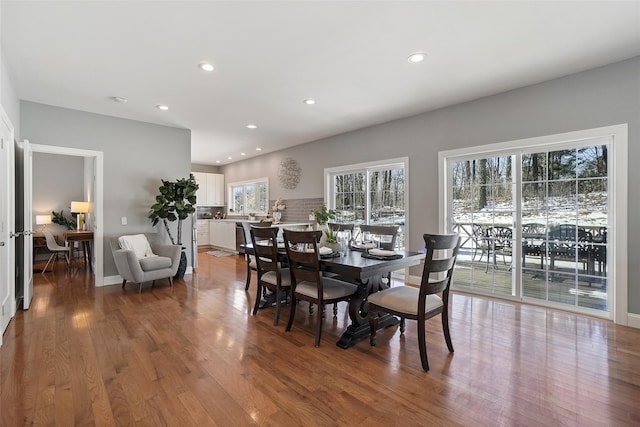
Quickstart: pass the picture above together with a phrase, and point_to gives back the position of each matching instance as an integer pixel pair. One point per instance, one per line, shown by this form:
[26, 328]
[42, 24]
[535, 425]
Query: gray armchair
[132, 269]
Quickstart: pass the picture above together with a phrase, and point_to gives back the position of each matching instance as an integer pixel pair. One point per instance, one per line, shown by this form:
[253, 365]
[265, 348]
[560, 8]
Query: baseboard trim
[633, 320]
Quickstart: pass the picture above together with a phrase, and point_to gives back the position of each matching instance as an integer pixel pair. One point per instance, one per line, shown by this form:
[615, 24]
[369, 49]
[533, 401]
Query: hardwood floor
[192, 355]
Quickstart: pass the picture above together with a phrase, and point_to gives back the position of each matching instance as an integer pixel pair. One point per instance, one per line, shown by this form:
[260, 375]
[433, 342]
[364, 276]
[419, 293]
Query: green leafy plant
[174, 203]
[332, 236]
[60, 219]
[323, 215]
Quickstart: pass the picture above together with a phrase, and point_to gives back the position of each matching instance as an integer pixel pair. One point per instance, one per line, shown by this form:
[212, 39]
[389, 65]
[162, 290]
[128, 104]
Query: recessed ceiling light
[252, 126]
[229, 158]
[416, 57]
[258, 149]
[309, 101]
[162, 107]
[205, 66]
[119, 99]
[217, 161]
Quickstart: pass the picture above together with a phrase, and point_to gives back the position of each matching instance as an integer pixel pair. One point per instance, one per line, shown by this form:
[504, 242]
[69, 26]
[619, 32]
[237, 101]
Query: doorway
[92, 178]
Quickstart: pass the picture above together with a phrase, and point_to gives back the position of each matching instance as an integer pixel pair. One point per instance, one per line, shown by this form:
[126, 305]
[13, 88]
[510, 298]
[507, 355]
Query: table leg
[359, 313]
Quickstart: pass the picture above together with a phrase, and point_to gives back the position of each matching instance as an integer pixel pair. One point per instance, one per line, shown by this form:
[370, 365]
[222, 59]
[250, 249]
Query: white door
[7, 287]
[24, 162]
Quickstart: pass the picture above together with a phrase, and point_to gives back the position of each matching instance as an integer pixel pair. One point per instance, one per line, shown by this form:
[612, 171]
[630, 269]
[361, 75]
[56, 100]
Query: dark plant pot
[182, 267]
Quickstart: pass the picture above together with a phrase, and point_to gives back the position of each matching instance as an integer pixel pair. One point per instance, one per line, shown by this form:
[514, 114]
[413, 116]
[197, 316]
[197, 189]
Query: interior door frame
[94, 160]
[7, 225]
[618, 204]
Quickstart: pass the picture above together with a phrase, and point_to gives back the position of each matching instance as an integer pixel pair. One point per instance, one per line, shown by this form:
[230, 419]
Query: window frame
[329, 190]
[244, 184]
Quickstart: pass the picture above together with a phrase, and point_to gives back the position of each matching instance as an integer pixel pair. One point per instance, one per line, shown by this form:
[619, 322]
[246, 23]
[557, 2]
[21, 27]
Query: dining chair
[56, 249]
[387, 234]
[307, 282]
[270, 274]
[422, 303]
[251, 261]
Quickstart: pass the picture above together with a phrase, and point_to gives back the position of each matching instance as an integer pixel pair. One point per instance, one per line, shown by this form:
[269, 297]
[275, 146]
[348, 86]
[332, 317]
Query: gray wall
[136, 156]
[600, 97]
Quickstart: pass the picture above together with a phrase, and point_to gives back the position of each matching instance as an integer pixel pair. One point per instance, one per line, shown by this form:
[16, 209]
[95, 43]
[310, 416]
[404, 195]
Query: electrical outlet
[123, 220]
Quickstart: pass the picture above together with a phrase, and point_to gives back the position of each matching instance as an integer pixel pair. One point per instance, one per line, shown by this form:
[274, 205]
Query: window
[372, 193]
[249, 197]
[541, 219]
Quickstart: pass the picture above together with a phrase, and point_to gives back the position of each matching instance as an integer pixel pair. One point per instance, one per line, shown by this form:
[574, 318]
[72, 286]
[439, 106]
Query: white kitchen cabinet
[202, 229]
[210, 189]
[215, 189]
[223, 234]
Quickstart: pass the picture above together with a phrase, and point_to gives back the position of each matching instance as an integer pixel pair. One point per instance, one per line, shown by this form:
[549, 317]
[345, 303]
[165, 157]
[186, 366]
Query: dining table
[369, 273]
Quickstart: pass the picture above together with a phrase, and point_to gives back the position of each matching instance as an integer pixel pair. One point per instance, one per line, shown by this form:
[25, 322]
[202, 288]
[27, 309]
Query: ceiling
[349, 56]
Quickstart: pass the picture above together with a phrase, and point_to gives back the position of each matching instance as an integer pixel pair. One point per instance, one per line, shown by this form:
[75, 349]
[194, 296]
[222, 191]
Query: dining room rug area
[221, 253]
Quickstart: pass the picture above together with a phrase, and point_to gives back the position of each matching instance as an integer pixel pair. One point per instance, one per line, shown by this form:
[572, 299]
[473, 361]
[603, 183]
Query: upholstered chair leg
[373, 327]
[402, 325]
[140, 287]
[153, 283]
[171, 281]
[292, 312]
[276, 318]
[319, 326]
[422, 344]
[445, 329]
[124, 282]
[259, 292]
[248, 282]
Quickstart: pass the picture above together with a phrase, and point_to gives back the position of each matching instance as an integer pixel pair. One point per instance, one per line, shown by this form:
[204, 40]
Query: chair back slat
[302, 253]
[382, 230]
[448, 243]
[265, 248]
[340, 227]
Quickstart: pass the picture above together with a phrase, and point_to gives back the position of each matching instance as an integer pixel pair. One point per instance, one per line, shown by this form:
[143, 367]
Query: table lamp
[43, 220]
[80, 208]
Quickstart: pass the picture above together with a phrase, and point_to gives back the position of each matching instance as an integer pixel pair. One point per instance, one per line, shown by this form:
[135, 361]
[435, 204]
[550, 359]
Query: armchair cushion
[154, 263]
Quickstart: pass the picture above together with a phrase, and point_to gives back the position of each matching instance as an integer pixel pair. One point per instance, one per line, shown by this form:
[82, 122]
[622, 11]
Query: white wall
[8, 95]
[603, 96]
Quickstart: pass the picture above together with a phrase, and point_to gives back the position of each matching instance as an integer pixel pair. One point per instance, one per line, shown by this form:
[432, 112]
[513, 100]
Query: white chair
[55, 249]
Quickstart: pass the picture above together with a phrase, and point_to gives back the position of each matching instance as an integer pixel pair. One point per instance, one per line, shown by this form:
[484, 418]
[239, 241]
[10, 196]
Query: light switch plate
[123, 220]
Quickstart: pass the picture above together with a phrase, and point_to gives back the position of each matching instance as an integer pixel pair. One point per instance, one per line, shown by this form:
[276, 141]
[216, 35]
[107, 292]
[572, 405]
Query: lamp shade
[43, 219]
[80, 207]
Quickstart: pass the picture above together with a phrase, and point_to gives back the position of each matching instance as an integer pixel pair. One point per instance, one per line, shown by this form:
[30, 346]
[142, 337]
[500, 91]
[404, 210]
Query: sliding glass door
[534, 223]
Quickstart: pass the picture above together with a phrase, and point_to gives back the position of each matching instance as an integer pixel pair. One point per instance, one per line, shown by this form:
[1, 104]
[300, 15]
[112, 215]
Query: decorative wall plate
[289, 173]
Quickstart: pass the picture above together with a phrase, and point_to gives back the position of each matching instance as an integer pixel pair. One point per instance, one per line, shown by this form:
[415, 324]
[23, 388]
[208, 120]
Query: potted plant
[323, 215]
[60, 219]
[331, 240]
[175, 203]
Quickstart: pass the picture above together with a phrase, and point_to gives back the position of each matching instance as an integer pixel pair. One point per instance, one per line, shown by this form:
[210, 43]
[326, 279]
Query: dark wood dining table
[368, 274]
